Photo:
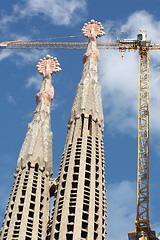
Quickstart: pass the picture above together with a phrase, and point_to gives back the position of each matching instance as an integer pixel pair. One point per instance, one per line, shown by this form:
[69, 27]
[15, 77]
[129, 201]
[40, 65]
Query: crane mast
[142, 220]
[142, 223]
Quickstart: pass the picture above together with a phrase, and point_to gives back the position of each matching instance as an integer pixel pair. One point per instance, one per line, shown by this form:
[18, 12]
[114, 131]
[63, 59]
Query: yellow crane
[143, 45]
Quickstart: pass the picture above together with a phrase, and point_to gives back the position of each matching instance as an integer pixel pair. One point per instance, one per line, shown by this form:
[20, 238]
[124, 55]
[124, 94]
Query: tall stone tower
[79, 210]
[80, 202]
[28, 209]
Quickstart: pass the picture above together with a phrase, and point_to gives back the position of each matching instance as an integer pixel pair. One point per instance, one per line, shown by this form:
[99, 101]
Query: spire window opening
[33, 190]
[89, 138]
[76, 169]
[96, 209]
[40, 215]
[63, 184]
[89, 146]
[86, 197]
[30, 214]
[95, 235]
[8, 223]
[71, 210]
[86, 201]
[69, 236]
[59, 217]
[29, 230]
[90, 125]
[71, 219]
[85, 208]
[29, 166]
[95, 226]
[56, 235]
[58, 226]
[85, 216]
[20, 208]
[97, 191]
[62, 192]
[84, 234]
[23, 192]
[19, 216]
[32, 198]
[96, 217]
[88, 160]
[87, 190]
[28, 238]
[66, 169]
[85, 225]
[97, 160]
[75, 177]
[77, 162]
[29, 225]
[36, 167]
[88, 167]
[82, 119]
[65, 176]
[73, 191]
[87, 183]
[70, 228]
[87, 175]
[74, 184]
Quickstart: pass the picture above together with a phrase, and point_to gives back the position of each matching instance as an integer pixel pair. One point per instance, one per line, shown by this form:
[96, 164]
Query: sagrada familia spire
[79, 210]
[28, 210]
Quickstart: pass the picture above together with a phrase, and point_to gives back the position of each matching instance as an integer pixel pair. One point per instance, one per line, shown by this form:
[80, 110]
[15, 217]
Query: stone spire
[37, 146]
[80, 203]
[28, 209]
[88, 98]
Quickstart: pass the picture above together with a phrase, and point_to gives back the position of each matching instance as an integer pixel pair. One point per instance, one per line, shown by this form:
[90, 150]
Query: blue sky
[38, 19]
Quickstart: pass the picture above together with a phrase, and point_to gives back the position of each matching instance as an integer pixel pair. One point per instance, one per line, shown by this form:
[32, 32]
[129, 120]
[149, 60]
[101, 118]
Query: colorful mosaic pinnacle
[48, 65]
[93, 29]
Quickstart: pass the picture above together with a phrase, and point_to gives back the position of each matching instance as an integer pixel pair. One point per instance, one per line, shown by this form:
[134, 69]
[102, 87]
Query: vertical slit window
[82, 118]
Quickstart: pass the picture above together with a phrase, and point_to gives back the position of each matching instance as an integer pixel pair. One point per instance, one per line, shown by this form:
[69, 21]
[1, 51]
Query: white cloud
[34, 81]
[64, 12]
[119, 85]
[121, 204]
[5, 54]
[142, 20]
[23, 57]
[5, 21]
[121, 209]
[119, 77]
[10, 99]
[60, 12]
[29, 56]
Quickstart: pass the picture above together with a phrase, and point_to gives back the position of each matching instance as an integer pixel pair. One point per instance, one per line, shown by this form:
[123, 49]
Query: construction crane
[143, 45]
